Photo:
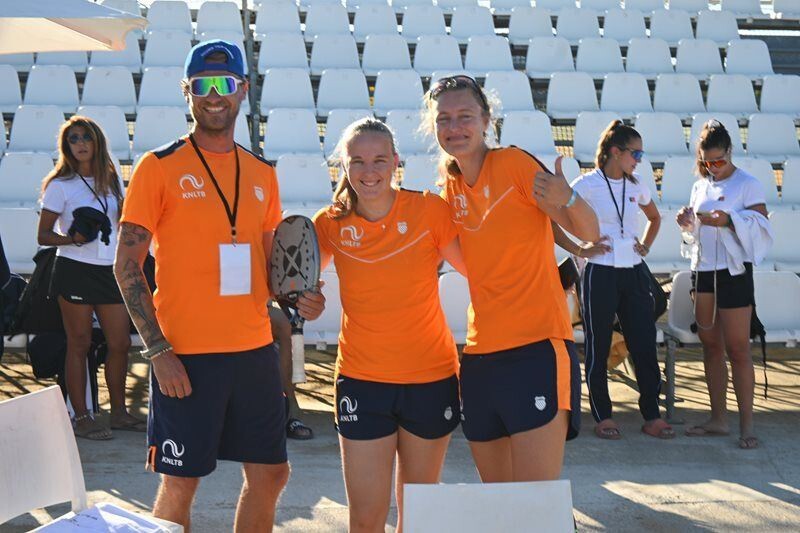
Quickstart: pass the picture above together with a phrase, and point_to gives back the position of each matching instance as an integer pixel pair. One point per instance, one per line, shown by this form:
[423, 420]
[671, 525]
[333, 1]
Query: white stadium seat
[282, 50]
[690, 6]
[644, 173]
[749, 57]
[454, 296]
[128, 6]
[785, 254]
[776, 295]
[326, 19]
[20, 62]
[742, 8]
[588, 127]
[333, 51]
[648, 56]
[527, 22]
[338, 120]
[570, 93]
[405, 125]
[625, 93]
[790, 185]
[2, 138]
[20, 245]
[241, 131]
[598, 57]
[772, 137]
[678, 93]
[731, 93]
[166, 49]
[420, 173]
[665, 252]
[325, 329]
[286, 87]
[554, 5]
[169, 15]
[109, 86]
[762, 170]
[645, 6]
[788, 9]
[699, 57]
[505, 7]
[671, 25]
[575, 24]
[157, 126]
[111, 120]
[469, 21]
[717, 26]
[342, 88]
[401, 5]
[727, 119]
[485, 53]
[569, 165]
[529, 130]
[291, 131]
[219, 16]
[377, 19]
[76, 61]
[304, 180]
[512, 88]
[547, 55]
[449, 6]
[677, 182]
[422, 20]
[624, 24]
[436, 52]
[779, 94]
[130, 57]
[662, 135]
[385, 52]
[35, 129]
[52, 85]
[599, 5]
[397, 89]
[161, 86]
[10, 93]
[21, 176]
[277, 17]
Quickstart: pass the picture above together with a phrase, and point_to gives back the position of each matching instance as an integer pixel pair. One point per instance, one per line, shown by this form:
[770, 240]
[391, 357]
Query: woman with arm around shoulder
[84, 177]
[520, 378]
[396, 392]
[724, 297]
[616, 281]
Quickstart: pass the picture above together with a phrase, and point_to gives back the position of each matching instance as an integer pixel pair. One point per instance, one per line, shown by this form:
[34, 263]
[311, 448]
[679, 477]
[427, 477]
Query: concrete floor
[635, 484]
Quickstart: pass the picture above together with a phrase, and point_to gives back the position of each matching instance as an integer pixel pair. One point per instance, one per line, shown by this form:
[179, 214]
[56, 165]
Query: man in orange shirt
[210, 208]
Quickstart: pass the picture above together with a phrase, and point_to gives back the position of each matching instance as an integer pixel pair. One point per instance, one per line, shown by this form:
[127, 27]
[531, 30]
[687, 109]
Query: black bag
[568, 273]
[9, 302]
[660, 297]
[38, 310]
[757, 330]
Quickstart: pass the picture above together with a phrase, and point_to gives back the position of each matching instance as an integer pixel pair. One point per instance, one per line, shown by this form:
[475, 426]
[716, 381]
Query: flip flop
[659, 429]
[295, 429]
[700, 431]
[748, 443]
[607, 432]
[129, 423]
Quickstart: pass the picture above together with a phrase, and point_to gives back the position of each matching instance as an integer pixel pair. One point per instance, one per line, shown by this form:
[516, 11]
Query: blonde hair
[105, 175]
[345, 199]
[616, 134]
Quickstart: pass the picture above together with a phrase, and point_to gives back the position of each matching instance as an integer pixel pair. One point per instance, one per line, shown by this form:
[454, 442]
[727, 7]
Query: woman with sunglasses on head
[616, 282]
[520, 378]
[727, 221]
[85, 184]
[396, 383]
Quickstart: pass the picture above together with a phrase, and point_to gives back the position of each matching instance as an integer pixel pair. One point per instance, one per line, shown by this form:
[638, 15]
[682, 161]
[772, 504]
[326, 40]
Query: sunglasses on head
[457, 82]
[224, 85]
[715, 163]
[637, 155]
[75, 138]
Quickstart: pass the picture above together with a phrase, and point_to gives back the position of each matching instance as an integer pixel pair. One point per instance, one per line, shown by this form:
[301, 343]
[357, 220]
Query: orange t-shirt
[507, 243]
[171, 195]
[393, 327]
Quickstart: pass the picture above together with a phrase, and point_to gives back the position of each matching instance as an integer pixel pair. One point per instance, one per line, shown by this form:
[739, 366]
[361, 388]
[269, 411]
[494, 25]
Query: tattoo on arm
[132, 234]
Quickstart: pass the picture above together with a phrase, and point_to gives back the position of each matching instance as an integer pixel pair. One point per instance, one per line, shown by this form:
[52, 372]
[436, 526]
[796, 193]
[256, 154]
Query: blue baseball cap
[196, 60]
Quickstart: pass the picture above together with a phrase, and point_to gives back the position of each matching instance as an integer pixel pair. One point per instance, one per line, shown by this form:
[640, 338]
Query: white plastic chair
[449, 6]
[665, 253]
[645, 6]
[397, 89]
[554, 5]
[333, 51]
[599, 5]
[420, 173]
[109, 86]
[111, 120]
[338, 120]
[678, 93]
[506, 7]
[788, 9]
[626, 94]
[161, 86]
[575, 24]
[644, 173]
[469, 21]
[157, 126]
[662, 135]
[220, 16]
[762, 171]
[570, 93]
[169, 15]
[772, 137]
[10, 93]
[598, 57]
[547, 55]
[419, 20]
[588, 127]
[731, 93]
[382, 52]
[21, 177]
[727, 119]
[326, 19]
[690, 6]
[35, 129]
[485, 53]
[743, 8]
[20, 246]
[436, 52]
[699, 57]
[455, 299]
[342, 88]
[749, 57]
[286, 87]
[377, 19]
[304, 180]
[20, 62]
[624, 24]
[527, 22]
[76, 61]
[779, 94]
[405, 125]
[291, 131]
[241, 131]
[672, 25]
[52, 85]
[2, 138]
[677, 182]
[325, 329]
[512, 88]
[130, 57]
[166, 48]
[282, 50]
[277, 17]
[777, 295]
[648, 56]
[718, 26]
[790, 186]
[529, 130]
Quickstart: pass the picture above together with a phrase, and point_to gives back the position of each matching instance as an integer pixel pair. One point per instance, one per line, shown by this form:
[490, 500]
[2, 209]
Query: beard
[216, 123]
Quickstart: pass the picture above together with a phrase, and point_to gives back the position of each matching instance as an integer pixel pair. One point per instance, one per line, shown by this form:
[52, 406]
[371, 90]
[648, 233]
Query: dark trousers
[624, 292]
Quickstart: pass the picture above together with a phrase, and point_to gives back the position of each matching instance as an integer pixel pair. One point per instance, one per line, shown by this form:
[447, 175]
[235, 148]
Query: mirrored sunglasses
[637, 155]
[75, 138]
[716, 163]
[224, 85]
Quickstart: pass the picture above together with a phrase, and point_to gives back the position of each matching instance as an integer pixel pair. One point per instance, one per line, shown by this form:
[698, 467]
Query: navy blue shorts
[516, 390]
[367, 410]
[236, 412]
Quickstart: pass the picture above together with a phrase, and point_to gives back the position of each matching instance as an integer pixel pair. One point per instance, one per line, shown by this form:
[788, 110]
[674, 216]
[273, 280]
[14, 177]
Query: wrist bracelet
[572, 198]
[155, 350]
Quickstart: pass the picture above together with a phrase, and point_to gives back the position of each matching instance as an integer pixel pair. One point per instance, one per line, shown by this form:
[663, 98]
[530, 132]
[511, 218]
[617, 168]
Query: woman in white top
[724, 294]
[84, 177]
[616, 282]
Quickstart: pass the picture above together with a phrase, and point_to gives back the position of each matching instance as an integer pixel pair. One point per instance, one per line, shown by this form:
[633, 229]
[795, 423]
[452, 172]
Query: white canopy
[63, 25]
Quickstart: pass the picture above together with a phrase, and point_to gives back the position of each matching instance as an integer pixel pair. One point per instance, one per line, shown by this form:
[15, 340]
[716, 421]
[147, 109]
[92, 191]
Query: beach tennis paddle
[294, 269]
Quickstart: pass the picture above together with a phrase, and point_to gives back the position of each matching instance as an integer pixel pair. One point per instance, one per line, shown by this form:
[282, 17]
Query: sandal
[88, 428]
[702, 431]
[748, 443]
[658, 428]
[295, 429]
[128, 423]
[607, 430]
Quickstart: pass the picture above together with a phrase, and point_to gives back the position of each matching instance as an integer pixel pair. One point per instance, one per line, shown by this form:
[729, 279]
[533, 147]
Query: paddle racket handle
[298, 358]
